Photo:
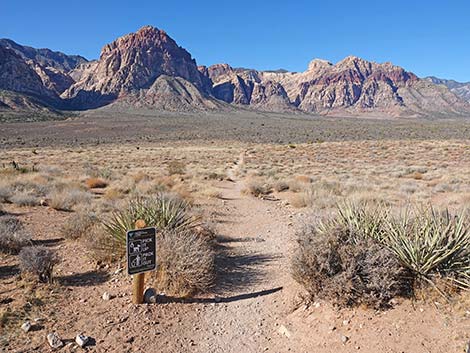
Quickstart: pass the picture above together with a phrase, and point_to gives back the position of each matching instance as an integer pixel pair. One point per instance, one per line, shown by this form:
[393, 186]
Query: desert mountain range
[148, 69]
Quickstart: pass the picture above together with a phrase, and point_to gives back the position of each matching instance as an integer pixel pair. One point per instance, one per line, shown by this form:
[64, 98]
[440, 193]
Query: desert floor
[255, 305]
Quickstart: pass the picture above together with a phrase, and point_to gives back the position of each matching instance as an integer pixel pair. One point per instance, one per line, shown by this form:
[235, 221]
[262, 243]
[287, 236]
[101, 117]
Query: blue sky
[426, 37]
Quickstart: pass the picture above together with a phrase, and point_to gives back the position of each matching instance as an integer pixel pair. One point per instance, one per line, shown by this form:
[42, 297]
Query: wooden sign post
[141, 257]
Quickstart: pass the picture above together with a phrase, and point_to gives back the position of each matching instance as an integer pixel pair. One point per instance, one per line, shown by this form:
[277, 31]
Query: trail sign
[141, 247]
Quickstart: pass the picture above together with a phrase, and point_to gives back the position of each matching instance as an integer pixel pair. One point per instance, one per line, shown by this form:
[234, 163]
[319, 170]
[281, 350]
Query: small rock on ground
[54, 340]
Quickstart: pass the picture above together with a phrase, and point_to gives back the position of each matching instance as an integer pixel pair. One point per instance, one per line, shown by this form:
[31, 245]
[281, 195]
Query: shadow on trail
[9, 271]
[234, 298]
[236, 271]
[85, 279]
[48, 242]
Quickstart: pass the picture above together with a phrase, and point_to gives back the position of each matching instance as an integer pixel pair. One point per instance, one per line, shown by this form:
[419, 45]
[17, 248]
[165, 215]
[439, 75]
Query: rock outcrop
[246, 87]
[17, 76]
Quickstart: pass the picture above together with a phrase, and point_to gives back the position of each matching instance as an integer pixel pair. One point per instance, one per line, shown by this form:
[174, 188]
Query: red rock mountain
[148, 69]
[134, 62]
[16, 75]
[353, 86]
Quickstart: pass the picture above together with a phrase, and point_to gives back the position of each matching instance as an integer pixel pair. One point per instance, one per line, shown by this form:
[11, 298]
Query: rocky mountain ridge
[148, 69]
[461, 89]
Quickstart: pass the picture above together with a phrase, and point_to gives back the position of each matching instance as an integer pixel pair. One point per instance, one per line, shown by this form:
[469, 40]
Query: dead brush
[79, 225]
[13, 235]
[186, 263]
[96, 183]
[38, 261]
[347, 270]
[257, 188]
[176, 168]
[67, 199]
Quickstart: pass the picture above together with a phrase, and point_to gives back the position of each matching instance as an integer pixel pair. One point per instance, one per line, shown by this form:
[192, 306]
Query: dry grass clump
[38, 261]
[24, 198]
[211, 192]
[67, 199]
[96, 183]
[176, 168]
[295, 185]
[281, 186]
[303, 179]
[186, 263]
[5, 192]
[257, 187]
[79, 225]
[303, 199]
[346, 270]
[13, 236]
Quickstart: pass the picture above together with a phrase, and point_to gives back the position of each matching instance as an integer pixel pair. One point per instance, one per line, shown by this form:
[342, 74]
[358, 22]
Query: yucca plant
[163, 211]
[360, 220]
[432, 244]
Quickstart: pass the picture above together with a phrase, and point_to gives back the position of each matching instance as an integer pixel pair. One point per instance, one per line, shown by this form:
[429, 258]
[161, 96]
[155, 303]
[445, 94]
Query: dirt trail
[255, 287]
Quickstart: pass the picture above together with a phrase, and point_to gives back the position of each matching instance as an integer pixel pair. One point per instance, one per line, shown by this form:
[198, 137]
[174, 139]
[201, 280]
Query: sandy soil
[255, 306]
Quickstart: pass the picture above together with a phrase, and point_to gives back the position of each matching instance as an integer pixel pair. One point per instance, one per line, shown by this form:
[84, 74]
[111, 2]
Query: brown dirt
[255, 306]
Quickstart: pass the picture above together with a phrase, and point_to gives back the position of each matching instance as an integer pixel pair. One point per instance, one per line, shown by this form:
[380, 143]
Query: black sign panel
[141, 250]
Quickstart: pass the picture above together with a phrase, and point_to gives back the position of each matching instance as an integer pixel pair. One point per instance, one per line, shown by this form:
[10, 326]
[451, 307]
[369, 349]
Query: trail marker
[141, 246]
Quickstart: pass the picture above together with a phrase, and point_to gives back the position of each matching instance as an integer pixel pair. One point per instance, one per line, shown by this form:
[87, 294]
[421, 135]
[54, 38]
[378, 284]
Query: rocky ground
[255, 307]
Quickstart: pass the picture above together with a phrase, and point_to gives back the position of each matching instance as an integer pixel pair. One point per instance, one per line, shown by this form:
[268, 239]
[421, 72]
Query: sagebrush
[13, 235]
[38, 261]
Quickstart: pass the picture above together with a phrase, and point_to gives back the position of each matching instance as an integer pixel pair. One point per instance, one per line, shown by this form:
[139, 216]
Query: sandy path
[255, 288]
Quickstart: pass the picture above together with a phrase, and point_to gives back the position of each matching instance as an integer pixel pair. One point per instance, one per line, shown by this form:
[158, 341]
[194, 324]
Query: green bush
[433, 245]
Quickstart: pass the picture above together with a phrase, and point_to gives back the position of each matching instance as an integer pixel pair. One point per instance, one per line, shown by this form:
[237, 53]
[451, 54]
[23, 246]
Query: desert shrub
[216, 176]
[303, 179]
[24, 198]
[147, 186]
[95, 183]
[257, 187]
[79, 225]
[347, 269]
[431, 248]
[295, 185]
[38, 261]
[164, 211]
[66, 199]
[303, 199]
[186, 263]
[211, 192]
[176, 167]
[97, 172]
[5, 192]
[280, 186]
[13, 236]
